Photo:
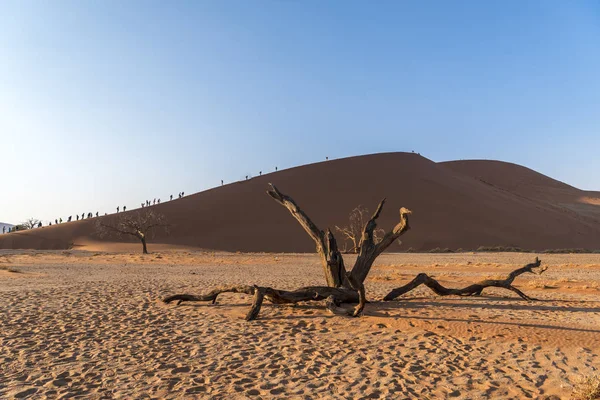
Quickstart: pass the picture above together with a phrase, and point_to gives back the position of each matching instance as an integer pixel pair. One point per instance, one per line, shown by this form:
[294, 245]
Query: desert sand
[460, 204]
[91, 325]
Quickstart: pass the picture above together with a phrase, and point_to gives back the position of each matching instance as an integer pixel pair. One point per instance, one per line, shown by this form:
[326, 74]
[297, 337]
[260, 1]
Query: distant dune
[458, 204]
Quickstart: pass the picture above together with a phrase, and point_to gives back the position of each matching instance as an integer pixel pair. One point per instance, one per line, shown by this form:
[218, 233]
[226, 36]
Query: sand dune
[461, 204]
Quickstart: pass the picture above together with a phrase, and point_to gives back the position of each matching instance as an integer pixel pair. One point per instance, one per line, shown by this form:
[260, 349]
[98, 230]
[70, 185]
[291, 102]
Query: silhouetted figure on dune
[124, 208]
[83, 216]
[158, 201]
[171, 197]
[275, 169]
[154, 202]
[56, 221]
[182, 194]
[260, 173]
[117, 209]
[40, 224]
[96, 213]
[69, 219]
[3, 230]
[221, 182]
[142, 205]
[77, 217]
[246, 177]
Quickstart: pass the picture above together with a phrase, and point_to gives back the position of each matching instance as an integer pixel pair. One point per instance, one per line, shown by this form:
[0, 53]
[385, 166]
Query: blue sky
[105, 103]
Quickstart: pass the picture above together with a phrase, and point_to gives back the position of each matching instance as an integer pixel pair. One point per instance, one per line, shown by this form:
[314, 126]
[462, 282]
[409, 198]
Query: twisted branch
[471, 290]
[275, 296]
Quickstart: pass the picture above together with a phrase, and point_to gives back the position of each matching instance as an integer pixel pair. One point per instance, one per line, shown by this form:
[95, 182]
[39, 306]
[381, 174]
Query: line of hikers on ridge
[57, 221]
[147, 203]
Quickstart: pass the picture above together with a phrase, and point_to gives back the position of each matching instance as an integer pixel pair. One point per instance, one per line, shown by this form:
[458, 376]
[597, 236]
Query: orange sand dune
[460, 204]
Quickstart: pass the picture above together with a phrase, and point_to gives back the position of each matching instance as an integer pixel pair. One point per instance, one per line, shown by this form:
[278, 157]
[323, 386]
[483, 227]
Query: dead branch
[471, 290]
[331, 258]
[310, 293]
[356, 223]
[369, 249]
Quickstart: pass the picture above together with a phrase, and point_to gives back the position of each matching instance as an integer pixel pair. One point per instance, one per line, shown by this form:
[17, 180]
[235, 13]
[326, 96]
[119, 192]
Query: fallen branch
[472, 290]
[334, 296]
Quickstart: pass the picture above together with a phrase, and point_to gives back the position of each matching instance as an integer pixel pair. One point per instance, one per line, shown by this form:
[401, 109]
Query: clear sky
[106, 103]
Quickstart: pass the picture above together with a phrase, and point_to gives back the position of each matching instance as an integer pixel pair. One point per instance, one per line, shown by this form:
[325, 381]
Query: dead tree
[353, 231]
[30, 223]
[342, 286]
[139, 224]
[471, 290]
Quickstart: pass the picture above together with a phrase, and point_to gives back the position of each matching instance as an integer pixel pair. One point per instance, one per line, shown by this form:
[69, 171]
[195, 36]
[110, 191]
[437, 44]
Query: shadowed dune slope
[462, 204]
[524, 182]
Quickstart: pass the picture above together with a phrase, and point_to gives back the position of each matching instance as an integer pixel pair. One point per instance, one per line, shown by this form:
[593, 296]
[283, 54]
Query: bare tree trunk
[145, 248]
[331, 258]
[369, 250]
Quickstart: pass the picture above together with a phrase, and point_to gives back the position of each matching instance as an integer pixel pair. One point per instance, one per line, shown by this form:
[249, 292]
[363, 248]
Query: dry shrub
[439, 250]
[588, 388]
[502, 249]
[568, 251]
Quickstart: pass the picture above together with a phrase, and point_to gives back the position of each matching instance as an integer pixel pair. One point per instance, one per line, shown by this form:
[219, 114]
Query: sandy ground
[90, 325]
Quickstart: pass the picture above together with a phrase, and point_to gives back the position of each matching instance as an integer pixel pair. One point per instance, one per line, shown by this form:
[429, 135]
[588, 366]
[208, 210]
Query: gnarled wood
[331, 258]
[362, 299]
[471, 290]
[369, 250]
[342, 287]
[275, 296]
[256, 304]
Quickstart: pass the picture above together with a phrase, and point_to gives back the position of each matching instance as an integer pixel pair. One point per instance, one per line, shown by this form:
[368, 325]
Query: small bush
[567, 251]
[439, 250]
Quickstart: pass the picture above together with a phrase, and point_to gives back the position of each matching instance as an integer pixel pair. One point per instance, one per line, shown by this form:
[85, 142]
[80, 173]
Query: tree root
[472, 290]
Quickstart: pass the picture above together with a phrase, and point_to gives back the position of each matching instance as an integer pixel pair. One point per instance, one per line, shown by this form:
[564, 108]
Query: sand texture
[77, 324]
